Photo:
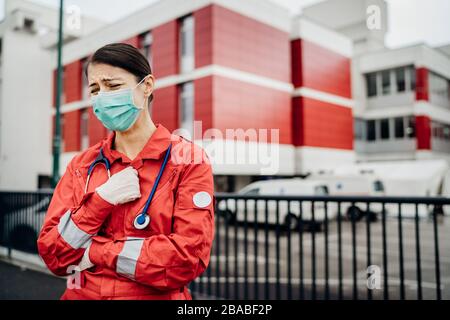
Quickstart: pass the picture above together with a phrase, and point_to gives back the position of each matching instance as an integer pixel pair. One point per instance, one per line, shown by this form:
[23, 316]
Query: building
[407, 105]
[25, 78]
[246, 68]
[231, 65]
[402, 96]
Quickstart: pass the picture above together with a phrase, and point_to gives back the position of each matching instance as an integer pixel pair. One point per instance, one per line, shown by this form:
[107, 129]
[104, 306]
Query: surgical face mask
[116, 109]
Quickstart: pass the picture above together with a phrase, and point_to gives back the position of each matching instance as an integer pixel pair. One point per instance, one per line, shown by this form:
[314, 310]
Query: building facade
[407, 105]
[279, 95]
[234, 66]
[27, 58]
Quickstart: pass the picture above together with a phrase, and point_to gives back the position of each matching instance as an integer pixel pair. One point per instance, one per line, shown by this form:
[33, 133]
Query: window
[412, 76]
[448, 88]
[371, 80]
[29, 25]
[320, 190]
[435, 131]
[411, 128]
[400, 78]
[378, 186]
[438, 130]
[359, 129]
[399, 128]
[187, 44]
[438, 85]
[63, 92]
[187, 107]
[446, 133]
[386, 81]
[146, 40]
[84, 129]
[371, 130]
[251, 192]
[384, 128]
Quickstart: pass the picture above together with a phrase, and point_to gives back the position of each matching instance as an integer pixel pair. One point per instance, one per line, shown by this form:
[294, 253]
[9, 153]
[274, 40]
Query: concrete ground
[25, 284]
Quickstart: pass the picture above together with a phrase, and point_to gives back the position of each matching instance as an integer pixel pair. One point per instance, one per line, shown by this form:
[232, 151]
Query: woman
[135, 212]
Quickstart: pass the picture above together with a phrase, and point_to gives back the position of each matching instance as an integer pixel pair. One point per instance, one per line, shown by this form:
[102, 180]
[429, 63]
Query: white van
[407, 178]
[352, 185]
[288, 215]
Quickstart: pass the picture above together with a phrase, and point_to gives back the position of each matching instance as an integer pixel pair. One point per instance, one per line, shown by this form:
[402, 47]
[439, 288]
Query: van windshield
[321, 190]
[378, 185]
[254, 191]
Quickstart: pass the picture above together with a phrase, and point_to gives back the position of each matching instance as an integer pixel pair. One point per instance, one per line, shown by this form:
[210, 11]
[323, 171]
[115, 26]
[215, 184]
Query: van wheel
[291, 221]
[354, 213]
[437, 210]
[228, 216]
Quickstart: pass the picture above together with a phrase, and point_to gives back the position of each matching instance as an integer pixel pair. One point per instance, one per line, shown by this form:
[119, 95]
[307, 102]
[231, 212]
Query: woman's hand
[122, 187]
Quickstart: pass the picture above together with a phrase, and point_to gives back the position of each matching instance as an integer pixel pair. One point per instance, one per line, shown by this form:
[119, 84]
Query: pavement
[21, 283]
[248, 257]
[246, 252]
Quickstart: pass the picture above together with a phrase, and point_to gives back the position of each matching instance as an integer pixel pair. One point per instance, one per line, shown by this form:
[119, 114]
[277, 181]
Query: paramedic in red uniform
[133, 214]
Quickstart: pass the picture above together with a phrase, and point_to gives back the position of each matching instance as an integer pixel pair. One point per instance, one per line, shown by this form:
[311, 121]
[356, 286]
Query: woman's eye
[114, 86]
[94, 92]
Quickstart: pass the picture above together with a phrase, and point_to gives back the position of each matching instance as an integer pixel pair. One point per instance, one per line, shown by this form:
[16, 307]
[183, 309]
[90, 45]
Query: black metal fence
[302, 247]
[328, 247]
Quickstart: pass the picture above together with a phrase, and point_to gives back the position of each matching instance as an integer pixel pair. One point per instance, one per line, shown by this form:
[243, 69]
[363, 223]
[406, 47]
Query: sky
[410, 21]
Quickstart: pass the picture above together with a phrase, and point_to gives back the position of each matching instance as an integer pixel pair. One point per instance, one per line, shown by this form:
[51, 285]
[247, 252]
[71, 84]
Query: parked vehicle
[288, 213]
[21, 227]
[407, 178]
[353, 185]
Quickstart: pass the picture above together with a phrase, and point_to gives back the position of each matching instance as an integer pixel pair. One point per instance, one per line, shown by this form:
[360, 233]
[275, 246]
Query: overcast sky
[410, 21]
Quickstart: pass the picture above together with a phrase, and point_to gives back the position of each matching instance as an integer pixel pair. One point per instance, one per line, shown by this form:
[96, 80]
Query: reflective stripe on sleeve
[128, 257]
[71, 234]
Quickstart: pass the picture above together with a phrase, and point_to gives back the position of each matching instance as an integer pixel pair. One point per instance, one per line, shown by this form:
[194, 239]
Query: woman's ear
[149, 85]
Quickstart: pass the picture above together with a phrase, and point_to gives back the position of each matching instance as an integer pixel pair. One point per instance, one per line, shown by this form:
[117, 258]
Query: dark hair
[124, 56]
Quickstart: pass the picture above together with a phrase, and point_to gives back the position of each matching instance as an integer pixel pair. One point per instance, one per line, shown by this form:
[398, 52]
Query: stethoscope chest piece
[141, 221]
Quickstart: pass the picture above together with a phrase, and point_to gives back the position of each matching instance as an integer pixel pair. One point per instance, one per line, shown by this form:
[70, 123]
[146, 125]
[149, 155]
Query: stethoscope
[142, 219]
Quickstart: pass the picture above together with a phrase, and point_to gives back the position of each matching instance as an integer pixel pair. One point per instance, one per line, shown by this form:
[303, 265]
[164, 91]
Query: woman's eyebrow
[106, 80]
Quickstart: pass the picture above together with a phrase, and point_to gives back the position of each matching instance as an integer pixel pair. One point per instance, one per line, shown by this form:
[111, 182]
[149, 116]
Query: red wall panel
[321, 124]
[423, 133]
[165, 49]
[73, 81]
[165, 107]
[243, 43]
[203, 37]
[321, 69]
[203, 102]
[297, 121]
[71, 131]
[134, 41]
[422, 87]
[296, 63]
[246, 106]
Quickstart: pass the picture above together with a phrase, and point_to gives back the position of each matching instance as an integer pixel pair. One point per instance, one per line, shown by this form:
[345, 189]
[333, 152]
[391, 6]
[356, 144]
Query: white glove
[85, 263]
[122, 187]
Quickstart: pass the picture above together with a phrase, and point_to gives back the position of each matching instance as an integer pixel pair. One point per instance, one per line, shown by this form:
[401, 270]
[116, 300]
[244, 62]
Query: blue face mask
[116, 109]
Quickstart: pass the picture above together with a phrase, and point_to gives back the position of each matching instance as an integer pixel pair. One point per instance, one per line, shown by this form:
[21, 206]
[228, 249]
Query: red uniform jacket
[157, 262]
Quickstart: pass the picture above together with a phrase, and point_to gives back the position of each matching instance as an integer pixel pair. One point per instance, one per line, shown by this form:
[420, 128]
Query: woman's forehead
[104, 72]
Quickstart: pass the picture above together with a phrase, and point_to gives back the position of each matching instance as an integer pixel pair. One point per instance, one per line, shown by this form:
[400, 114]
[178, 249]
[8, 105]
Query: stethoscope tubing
[142, 219]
